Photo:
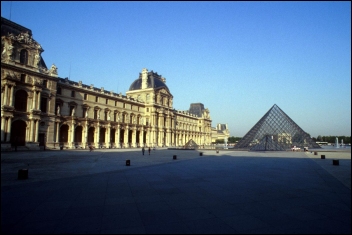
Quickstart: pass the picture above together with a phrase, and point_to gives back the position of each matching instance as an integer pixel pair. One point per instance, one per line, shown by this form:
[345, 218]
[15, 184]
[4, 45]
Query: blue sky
[237, 58]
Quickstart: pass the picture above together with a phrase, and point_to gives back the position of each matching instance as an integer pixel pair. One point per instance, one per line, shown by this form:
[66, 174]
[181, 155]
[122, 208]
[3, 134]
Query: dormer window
[24, 56]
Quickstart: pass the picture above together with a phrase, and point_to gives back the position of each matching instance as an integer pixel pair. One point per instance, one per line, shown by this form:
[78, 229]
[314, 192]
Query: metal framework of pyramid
[275, 131]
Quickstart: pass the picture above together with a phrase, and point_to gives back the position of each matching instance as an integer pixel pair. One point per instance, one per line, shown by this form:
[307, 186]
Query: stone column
[134, 137]
[38, 101]
[107, 137]
[31, 132]
[72, 135]
[117, 136]
[57, 131]
[6, 95]
[85, 135]
[3, 120]
[11, 96]
[125, 141]
[8, 136]
[141, 134]
[97, 134]
[33, 100]
[3, 95]
[36, 123]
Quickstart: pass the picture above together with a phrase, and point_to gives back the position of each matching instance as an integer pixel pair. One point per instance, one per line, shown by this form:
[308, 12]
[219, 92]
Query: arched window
[24, 56]
[21, 101]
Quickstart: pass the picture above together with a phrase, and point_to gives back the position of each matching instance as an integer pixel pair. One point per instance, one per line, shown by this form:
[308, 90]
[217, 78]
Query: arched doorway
[130, 132]
[91, 135]
[144, 138]
[64, 133]
[112, 136]
[122, 137]
[18, 133]
[102, 135]
[78, 134]
[137, 138]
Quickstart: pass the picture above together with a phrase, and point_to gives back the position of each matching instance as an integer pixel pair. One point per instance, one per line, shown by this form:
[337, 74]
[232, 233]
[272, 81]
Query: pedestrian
[149, 150]
[143, 150]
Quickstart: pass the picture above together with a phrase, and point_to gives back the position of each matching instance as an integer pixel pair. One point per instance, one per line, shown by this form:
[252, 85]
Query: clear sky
[237, 58]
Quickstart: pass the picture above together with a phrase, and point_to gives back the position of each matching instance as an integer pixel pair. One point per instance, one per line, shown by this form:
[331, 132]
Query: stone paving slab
[77, 191]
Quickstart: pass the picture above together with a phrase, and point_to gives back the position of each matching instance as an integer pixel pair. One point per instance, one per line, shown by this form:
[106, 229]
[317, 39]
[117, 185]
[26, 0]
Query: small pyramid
[191, 144]
[275, 130]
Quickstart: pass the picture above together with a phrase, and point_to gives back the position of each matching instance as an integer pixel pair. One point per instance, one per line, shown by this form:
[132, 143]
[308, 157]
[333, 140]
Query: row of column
[5, 129]
[36, 98]
[31, 132]
[7, 95]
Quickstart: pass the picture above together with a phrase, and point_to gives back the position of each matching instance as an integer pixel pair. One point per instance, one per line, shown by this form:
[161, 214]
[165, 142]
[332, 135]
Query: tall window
[59, 90]
[114, 117]
[85, 96]
[84, 112]
[43, 104]
[21, 101]
[105, 115]
[71, 110]
[96, 99]
[72, 93]
[106, 101]
[45, 83]
[23, 77]
[95, 114]
[115, 103]
[24, 56]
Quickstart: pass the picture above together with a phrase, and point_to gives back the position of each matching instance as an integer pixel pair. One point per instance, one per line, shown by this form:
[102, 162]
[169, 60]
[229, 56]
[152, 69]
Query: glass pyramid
[191, 144]
[275, 131]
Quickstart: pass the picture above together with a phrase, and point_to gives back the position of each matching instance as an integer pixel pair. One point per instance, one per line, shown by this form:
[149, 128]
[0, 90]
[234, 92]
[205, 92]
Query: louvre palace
[41, 109]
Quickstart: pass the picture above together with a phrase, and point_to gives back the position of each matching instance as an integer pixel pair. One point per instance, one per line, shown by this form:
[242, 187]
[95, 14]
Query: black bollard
[23, 174]
[335, 162]
[322, 156]
[175, 157]
[128, 162]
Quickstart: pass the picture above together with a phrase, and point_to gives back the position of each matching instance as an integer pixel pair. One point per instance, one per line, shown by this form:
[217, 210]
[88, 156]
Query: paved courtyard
[77, 191]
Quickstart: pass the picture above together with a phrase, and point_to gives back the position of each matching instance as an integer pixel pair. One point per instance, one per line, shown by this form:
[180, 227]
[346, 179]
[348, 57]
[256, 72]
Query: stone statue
[73, 112]
[53, 69]
[36, 59]
[86, 113]
[7, 51]
[58, 110]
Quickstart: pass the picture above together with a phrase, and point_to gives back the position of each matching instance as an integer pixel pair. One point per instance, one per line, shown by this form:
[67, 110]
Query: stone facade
[38, 108]
[220, 132]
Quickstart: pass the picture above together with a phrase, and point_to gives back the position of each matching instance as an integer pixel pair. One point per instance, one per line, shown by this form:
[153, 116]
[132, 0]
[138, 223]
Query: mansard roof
[8, 27]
